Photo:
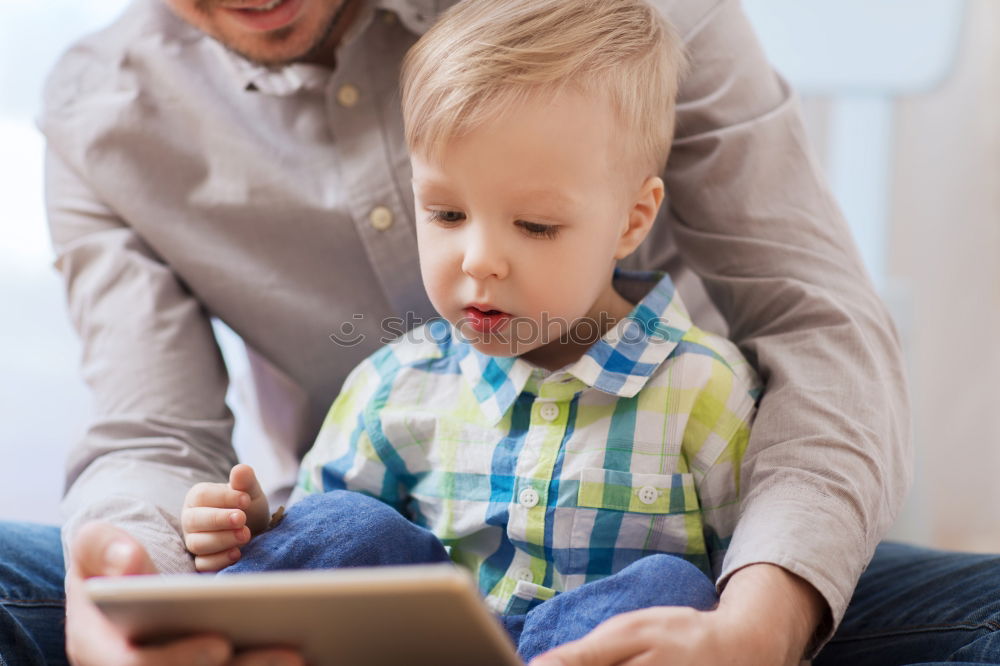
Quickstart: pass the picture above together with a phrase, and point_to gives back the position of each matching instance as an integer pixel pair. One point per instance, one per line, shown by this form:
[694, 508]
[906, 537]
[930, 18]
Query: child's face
[527, 215]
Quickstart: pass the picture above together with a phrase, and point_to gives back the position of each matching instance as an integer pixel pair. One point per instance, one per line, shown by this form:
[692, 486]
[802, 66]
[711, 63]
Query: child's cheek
[436, 284]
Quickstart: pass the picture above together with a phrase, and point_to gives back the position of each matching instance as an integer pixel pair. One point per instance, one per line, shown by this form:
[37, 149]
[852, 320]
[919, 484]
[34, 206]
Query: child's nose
[484, 256]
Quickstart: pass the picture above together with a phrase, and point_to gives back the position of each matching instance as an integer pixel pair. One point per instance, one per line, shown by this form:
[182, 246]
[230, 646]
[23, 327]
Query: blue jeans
[32, 607]
[912, 606]
[346, 529]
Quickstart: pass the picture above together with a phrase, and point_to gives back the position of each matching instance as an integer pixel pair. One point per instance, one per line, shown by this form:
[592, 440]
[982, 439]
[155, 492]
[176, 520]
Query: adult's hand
[99, 549]
[661, 635]
[766, 616]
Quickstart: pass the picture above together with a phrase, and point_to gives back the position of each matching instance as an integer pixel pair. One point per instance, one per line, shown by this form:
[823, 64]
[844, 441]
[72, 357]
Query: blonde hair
[484, 56]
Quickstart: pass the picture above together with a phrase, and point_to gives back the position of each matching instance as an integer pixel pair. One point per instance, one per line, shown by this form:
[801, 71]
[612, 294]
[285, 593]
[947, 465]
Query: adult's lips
[264, 15]
[261, 5]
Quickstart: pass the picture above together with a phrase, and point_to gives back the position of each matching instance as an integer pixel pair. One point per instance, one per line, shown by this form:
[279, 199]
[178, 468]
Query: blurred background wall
[902, 101]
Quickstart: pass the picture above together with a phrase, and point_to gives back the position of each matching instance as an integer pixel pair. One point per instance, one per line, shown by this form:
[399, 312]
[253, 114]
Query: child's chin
[493, 349]
[489, 344]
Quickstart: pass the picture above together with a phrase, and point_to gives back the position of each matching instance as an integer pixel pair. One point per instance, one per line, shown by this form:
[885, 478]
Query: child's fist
[218, 518]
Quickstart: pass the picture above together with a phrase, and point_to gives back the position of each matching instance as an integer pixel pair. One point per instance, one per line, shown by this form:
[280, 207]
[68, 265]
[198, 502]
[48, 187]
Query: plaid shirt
[540, 481]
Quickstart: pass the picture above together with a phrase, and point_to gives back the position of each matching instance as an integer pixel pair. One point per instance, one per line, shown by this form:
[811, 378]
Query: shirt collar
[416, 15]
[278, 81]
[620, 363]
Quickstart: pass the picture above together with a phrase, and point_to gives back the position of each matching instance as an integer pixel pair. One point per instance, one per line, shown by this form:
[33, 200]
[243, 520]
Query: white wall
[43, 404]
[945, 249]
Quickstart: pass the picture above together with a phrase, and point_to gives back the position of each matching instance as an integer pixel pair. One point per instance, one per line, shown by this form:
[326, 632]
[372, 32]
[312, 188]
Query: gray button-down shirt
[185, 183]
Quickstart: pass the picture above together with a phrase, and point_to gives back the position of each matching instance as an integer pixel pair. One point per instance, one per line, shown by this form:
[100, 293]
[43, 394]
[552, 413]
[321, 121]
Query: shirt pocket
[621, 517]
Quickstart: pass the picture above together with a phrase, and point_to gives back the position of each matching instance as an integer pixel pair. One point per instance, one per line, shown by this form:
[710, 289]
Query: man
[244, 159]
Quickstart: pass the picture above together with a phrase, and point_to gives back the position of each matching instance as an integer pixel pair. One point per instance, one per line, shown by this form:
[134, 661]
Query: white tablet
[383, 616]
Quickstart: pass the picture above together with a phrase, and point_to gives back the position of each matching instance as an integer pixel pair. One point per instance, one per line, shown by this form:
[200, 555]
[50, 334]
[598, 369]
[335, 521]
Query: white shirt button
[523, 573]
[380, 217]
[648, 494]
[549, 411]
[348, 95]
[528, 497]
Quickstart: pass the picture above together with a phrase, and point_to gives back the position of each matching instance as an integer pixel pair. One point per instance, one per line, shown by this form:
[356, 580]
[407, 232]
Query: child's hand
[218, 518]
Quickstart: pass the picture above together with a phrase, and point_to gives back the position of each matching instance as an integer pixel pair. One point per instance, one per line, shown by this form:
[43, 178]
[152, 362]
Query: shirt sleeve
[158, 383]
[351, 451]
[828, 460]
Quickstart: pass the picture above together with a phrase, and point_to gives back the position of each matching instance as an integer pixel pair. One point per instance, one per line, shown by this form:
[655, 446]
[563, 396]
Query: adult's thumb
[100, 549]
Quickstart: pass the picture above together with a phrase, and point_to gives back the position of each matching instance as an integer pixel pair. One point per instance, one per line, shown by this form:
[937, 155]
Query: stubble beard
[320, 49]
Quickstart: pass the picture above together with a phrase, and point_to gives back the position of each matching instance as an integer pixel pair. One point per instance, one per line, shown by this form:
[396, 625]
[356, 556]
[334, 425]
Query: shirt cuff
[158, 531]
[823, 549]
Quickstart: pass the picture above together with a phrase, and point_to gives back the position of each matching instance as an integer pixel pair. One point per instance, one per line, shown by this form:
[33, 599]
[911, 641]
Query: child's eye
[447, 217]
[539, 230]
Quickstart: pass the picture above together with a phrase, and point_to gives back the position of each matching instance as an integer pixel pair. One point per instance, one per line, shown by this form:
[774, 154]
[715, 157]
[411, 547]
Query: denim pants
[912, 605]
[346, 529]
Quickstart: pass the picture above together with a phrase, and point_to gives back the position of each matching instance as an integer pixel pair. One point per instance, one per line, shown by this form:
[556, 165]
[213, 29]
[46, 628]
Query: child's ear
[641, 216]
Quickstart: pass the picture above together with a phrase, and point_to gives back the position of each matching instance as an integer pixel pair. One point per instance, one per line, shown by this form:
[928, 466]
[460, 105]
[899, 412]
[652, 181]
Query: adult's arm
[828, 462]
[157, 380]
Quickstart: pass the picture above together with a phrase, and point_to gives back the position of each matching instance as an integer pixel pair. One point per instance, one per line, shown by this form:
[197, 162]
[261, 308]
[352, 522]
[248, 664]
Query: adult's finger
[589, 651]
[201, 651]
[100, 549]
[91, 639]
[610, 643]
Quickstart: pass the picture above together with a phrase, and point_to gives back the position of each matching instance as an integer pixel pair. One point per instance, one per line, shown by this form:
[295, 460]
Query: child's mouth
[485, 321]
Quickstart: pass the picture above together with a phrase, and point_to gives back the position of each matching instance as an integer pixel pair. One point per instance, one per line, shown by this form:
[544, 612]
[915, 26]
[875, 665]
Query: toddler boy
[563, 431]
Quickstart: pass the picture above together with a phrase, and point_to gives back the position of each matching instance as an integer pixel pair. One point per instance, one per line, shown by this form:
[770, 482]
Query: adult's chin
[283, 33]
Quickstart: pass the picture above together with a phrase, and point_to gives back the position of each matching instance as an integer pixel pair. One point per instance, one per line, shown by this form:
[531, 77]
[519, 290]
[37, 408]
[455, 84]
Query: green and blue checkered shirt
[541, 481]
